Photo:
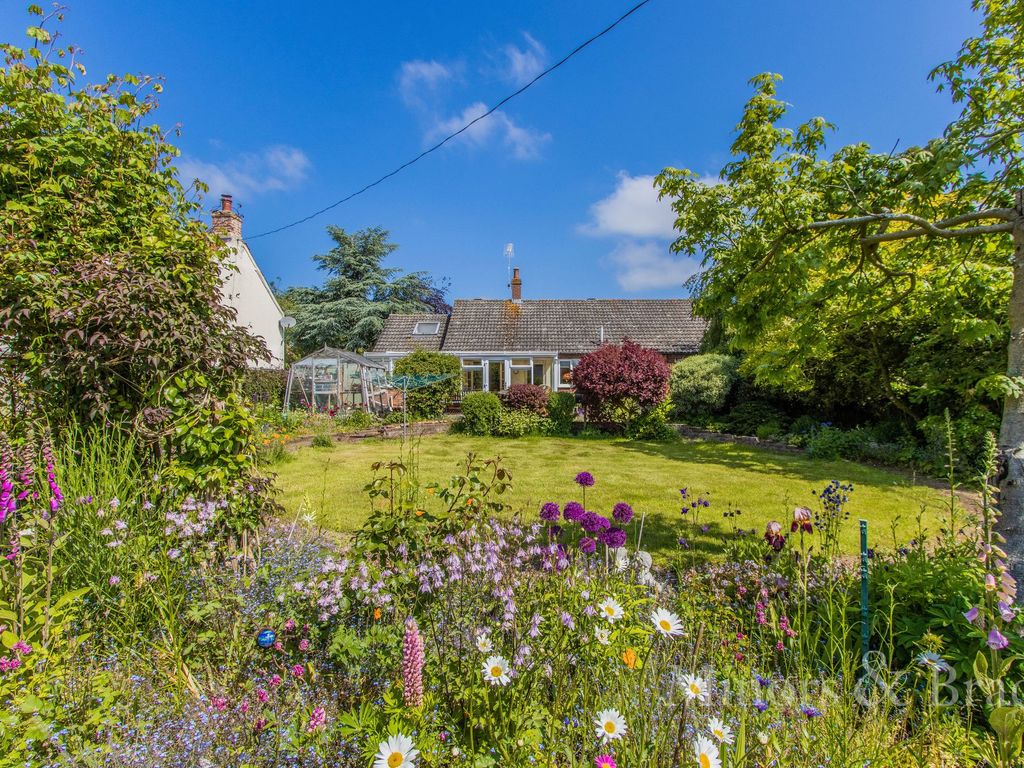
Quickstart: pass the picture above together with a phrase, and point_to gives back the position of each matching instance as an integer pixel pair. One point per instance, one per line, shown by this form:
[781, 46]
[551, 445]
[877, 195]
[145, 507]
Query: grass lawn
[761, 484]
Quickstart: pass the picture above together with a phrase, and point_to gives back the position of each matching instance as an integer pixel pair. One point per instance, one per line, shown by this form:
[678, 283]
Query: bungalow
[504, 342]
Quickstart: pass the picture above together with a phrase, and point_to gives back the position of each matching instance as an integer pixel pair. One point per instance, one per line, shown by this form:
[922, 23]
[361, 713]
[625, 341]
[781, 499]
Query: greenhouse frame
[336, 379]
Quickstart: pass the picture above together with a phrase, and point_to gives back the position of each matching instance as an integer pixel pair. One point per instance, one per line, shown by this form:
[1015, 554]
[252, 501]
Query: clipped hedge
[700, 385]
[264, 385]
[561, 412]
[430, 402]
[481, 412]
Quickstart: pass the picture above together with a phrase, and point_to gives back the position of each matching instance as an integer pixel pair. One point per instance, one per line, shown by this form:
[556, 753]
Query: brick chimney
[517, 286]
[226, 223]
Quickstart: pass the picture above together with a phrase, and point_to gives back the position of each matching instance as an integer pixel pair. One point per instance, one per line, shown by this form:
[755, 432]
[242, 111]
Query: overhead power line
[461, 130]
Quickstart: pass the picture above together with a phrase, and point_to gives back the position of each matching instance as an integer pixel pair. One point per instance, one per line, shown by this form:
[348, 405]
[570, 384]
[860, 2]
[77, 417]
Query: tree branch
[925, 227]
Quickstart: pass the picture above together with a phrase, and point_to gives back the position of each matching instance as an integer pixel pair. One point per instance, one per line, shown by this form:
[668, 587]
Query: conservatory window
[522, 370]
[565, 369]
[472, 376]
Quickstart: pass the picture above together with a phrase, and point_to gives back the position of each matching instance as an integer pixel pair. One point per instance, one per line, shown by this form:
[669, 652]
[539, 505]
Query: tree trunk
[1011, 432]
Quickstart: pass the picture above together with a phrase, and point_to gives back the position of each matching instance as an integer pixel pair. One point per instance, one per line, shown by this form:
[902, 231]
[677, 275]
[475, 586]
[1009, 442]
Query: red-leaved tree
[618, 383]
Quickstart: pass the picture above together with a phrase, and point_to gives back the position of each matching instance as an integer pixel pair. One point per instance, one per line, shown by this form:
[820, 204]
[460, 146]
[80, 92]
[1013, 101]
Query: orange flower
[629, 658]
[419, 513]
[430, 491]
[470, 501]
[376, 614]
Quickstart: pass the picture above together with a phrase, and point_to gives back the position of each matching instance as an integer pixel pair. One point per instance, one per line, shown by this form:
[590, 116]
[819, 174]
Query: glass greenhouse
[336, 379]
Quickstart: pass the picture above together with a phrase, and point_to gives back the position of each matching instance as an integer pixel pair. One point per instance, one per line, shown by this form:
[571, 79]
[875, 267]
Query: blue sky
[290, 106]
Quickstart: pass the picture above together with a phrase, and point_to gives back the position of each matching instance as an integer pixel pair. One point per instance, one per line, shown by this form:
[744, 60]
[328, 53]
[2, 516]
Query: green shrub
[653, 425]
[430, 402]
[520, 423]
[480, 413]
[835, 443]
[322, 440]
[700, 385]
[561, 412]
[359, 420]
[265, 386]
[746, 418]
[968, 435]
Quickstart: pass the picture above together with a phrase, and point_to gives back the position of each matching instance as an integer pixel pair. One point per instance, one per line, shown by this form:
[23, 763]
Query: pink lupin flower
[412, 664]
[317, 719]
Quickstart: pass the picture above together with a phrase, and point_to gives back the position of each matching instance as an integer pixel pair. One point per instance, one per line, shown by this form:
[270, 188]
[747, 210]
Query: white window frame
[567, 362]
[419, 324]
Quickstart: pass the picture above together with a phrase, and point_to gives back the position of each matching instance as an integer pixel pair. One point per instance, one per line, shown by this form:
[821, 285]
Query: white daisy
[610, 725]
[603, 636]
[695, 687]
[496, 671]
[721, 731]
[611, 609]
[483, 643]
[667, 623]
[706, 753]
[397, 751]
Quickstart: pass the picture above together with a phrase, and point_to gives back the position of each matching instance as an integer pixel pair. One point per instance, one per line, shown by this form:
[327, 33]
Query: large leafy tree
[906, 268]
[109, 286]
[349, 310]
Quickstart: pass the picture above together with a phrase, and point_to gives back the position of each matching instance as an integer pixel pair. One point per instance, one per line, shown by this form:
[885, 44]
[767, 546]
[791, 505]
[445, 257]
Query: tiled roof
[571, 326]
[397, 335]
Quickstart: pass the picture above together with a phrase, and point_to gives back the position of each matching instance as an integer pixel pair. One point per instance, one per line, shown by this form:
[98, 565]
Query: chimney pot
[517, 286]
[226, 222]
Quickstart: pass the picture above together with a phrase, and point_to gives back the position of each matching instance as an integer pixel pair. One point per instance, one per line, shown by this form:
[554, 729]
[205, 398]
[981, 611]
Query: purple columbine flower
[585, 479]
[588, 545]
[573, 512]
[996, 640]
[760, 705]
[549, 511]
[810, 712]
[622, 512]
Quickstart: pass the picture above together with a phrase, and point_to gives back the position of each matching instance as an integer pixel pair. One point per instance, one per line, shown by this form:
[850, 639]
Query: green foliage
[906, 325]
[359, 294]
[967, 432]
[264, 386]
[561, 412]
[700, 385]
[749, 417]
[322, 440]
[653, 425]
[520, 423]
[481, 412]
[431, 401]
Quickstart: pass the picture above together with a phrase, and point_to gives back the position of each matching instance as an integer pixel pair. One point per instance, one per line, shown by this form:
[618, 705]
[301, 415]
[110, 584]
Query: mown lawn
[762, 485]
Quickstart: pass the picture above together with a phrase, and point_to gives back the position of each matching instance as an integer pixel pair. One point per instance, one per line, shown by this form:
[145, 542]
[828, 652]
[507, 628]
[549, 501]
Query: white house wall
[247, 291]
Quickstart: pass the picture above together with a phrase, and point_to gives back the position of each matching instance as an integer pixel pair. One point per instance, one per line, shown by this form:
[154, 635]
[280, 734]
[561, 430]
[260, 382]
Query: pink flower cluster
[412, 664]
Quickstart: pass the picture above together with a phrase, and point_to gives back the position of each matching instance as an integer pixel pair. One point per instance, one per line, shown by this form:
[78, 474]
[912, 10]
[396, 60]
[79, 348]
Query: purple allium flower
[549, 511]
[555, 531]
[585, 479]
[593, 522]
[996, 640]
[622, 512]
[613, 537]
[412, 665]
[588, 545]
[573, 511]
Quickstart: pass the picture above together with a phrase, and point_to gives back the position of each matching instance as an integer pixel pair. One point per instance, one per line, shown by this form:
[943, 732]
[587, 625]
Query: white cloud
[649, 266]
[632, 210]
[275, 168]
[521, 65]
[525, 143]
[418, 78]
